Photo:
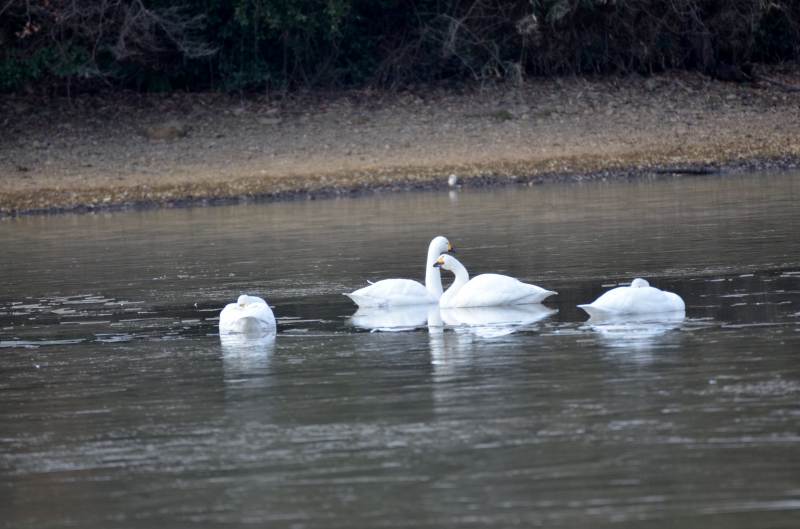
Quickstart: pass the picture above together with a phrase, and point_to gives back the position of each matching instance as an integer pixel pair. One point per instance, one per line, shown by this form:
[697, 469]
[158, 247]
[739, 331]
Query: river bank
[127, 150]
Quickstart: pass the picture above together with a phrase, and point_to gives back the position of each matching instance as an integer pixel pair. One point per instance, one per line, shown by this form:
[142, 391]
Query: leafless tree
[127, 30]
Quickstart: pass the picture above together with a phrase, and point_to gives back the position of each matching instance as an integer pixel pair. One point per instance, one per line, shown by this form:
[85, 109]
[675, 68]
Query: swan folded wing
[391, 292]
[246, 325]
[488, 290]
[630, 300]
[674, 301]
[596, 312]
[535, 294]
[255, 317]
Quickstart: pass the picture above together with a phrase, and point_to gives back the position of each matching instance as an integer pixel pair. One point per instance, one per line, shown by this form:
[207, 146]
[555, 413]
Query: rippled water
[121, 407]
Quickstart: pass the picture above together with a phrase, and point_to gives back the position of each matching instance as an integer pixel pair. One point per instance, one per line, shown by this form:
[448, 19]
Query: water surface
[120, 406]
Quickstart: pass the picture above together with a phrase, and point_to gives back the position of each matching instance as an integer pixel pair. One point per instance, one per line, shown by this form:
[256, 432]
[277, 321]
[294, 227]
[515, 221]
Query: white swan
[639, 298]
[249, 315]
[398, 292]
[485, 290]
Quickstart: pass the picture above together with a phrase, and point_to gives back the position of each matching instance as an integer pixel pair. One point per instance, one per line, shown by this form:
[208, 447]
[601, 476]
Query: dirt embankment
[128, 150]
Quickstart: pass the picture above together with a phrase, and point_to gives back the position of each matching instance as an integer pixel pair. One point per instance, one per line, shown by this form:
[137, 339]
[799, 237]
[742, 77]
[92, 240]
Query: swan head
[445, 261]
[441, 245]
[639, 283]
[245, 300]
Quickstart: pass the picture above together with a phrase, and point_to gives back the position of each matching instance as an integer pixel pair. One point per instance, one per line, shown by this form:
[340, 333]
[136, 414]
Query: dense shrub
[277, 44]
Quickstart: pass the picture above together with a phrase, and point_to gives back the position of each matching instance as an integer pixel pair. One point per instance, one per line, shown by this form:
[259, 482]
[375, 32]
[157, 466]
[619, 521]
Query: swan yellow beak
[439, 262]
[450, 248]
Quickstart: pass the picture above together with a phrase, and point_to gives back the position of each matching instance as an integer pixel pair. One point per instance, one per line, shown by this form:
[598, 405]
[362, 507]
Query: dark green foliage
[161, 45]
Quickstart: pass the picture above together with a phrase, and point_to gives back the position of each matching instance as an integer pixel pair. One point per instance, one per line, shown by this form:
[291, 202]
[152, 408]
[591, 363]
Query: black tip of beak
[437, 265]
[451, 250]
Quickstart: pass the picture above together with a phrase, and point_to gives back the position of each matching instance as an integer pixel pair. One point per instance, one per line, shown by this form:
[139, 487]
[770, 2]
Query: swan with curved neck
[485, 290]
[638, 298]
[249, 315]
[398, 292]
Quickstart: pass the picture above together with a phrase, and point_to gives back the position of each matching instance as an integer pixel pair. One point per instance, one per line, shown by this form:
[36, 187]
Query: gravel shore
[127, 150]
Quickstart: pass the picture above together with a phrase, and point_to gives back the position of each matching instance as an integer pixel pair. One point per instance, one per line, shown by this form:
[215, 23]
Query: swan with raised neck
[433, 277]
[485, 290]
[398, 292]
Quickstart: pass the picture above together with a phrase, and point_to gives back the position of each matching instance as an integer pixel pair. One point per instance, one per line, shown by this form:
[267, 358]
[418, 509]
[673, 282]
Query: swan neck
[433, 277]
[462, 277]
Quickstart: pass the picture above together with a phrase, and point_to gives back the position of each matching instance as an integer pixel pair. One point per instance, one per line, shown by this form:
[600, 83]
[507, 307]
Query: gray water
[121, 407]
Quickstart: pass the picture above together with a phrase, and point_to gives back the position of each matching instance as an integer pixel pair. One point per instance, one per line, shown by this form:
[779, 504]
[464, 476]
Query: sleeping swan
[250, 315]
[639, 298]
[398, 292]
[485, 290]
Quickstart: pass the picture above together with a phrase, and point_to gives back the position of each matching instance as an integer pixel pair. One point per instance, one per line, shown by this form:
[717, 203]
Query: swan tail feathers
[593, 311]
[538, 296]
[365, 301]
[354, 297]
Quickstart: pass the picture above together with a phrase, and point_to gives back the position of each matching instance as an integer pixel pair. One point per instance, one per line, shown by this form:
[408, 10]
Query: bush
[284, 44]
[66, 42]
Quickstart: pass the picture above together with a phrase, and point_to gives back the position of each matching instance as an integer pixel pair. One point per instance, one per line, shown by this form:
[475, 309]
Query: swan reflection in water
[476, 333]
[492, 322]
[640, 332]
[487, 322]
[469, 330]
[396, 319]
[244, 355]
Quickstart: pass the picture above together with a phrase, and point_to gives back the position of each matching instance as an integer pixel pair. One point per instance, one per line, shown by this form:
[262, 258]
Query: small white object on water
[452, 180]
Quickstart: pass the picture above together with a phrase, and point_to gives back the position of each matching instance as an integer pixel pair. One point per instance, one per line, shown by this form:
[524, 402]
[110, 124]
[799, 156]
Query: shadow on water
[121, 406]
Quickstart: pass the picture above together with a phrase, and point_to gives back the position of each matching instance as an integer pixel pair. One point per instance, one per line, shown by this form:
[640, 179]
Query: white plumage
[486, 290]
[249, 315]
[639, 298]
[400, 292]
[393, 293]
